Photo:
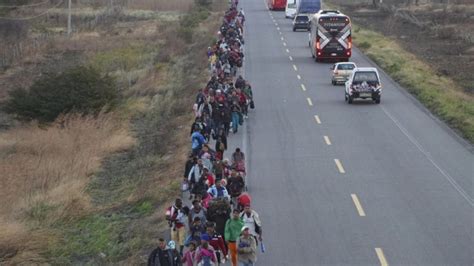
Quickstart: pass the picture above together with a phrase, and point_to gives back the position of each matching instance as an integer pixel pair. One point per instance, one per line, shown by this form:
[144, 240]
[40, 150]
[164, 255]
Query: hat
[205, 237]
[245, 228]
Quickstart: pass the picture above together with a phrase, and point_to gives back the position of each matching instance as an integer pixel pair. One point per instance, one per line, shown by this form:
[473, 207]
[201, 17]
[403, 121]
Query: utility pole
[69, 30]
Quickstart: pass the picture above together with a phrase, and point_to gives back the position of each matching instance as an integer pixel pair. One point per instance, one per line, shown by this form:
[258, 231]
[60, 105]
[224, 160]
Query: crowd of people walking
[220, 225]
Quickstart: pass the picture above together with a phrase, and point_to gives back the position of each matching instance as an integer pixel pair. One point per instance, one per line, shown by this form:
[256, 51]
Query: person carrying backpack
[176, 220]
[205, 254]
[252, 221]
[247, 248]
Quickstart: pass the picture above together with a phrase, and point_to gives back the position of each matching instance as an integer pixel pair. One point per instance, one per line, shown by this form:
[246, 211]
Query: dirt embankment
[91, 190]
[440, 35]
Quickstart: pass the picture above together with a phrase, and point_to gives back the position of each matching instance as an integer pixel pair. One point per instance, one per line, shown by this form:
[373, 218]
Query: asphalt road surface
[339, 184]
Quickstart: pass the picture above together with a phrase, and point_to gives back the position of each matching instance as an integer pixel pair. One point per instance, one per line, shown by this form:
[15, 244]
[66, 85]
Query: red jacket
[217, 242]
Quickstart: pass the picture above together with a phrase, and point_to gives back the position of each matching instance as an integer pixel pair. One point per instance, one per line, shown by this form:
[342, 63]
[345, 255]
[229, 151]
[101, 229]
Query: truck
[308, 7]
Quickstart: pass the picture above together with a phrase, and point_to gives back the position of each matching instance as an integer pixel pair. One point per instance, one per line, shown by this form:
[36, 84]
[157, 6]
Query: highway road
[339, 184]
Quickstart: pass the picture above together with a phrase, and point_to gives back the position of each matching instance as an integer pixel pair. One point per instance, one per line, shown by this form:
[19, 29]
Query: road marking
[298, 76]
[303, 87]
[284, 43]
[287, 50]
[279, 32]
[295, 68]
[383, 261]
[291, 58]
[309, 102]
[430, 158]
[278, 28]
[359, 208]
[339, 166]
[328, 141]
[318, 121]
[282, 38]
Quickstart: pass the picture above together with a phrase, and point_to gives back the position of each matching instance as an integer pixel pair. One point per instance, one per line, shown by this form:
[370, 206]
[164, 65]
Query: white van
[290, 10]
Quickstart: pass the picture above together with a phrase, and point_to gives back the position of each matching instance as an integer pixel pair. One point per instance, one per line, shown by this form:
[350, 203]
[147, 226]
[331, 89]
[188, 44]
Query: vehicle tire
[294, 29]
[349, 99]
[377, 100]
[333, 82]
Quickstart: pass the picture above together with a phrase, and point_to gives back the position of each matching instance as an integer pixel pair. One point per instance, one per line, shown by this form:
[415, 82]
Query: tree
[82, 90]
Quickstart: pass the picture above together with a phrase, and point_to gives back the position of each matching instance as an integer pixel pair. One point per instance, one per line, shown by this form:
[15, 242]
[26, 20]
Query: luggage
[252, 105]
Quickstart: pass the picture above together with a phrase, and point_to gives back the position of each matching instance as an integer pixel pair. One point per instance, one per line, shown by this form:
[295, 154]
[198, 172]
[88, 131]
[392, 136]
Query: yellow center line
[318, 121]
[309, 102]
[284, 43]
[291, 58]
[287, 49]
[298, 76]
[328, 141]
[295, 68]
[303, 87]
[359, 208]
[381, 256]
[339, 166]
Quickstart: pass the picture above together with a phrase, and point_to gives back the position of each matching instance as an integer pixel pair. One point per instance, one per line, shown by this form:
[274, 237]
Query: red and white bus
[276, 4]
[330, 36]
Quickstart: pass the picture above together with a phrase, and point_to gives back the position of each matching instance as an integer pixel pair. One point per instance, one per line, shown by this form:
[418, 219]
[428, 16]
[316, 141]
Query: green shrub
[82, 90]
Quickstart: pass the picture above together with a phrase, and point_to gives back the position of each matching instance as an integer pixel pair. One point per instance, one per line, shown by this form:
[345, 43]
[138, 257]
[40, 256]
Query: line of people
[220, 225]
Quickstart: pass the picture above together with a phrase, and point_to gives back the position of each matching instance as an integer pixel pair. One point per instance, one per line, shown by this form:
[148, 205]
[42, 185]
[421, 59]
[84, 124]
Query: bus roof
[329, 13]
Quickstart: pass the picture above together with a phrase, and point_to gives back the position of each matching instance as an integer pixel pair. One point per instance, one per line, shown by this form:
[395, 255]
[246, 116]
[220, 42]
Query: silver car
[341, 72]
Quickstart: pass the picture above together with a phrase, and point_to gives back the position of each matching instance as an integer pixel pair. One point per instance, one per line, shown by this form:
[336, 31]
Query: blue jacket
[215, 194]
[197, 140]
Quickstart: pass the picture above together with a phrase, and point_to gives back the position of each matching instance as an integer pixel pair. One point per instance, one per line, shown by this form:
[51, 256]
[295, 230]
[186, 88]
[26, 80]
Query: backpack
[206, 261]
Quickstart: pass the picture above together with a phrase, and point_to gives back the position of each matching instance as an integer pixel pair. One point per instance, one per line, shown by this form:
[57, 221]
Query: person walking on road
[252, 221]
[233, 228]
[189, 255]
[247, 248]
[217, 242]
[197, 211]
[197, 141]
[205, 254]
[194, 175]
[236, 113]
[175, 217]
[161, 256]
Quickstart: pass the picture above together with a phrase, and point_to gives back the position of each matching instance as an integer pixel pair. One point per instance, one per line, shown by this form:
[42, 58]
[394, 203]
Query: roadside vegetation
[85, 179]
[439, 94]
[424, 46]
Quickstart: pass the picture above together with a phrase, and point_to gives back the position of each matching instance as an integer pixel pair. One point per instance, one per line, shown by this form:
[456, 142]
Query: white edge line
[428, 156]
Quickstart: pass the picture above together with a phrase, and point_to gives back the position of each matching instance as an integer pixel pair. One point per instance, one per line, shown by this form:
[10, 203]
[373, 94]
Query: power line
[29, 5]
[35, 16]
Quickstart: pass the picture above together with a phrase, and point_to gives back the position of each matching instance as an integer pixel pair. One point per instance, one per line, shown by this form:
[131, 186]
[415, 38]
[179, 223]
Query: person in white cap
[247, 248]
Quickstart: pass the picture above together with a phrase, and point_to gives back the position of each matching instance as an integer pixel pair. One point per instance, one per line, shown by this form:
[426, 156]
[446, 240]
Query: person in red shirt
[217, 242]
[209, 177]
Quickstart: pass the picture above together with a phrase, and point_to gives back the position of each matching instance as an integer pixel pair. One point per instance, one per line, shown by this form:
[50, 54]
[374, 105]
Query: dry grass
[162, 5]
[45, 171]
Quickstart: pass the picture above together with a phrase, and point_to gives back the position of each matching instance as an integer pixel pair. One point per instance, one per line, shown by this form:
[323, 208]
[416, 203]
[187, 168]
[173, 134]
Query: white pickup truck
[364, 83]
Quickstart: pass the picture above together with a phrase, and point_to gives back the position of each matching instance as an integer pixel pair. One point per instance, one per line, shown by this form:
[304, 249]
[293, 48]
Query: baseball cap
[245, 228]
[205, 237]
